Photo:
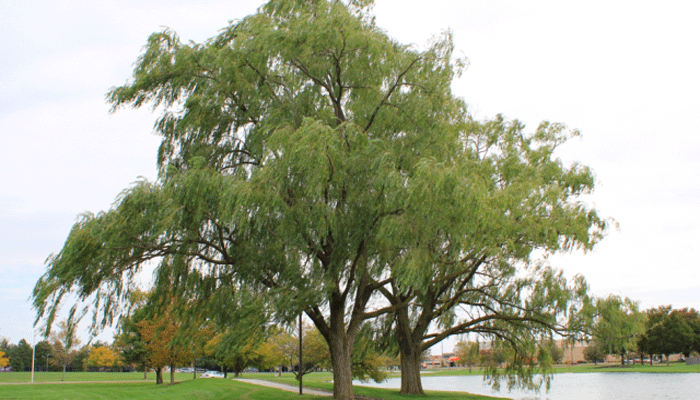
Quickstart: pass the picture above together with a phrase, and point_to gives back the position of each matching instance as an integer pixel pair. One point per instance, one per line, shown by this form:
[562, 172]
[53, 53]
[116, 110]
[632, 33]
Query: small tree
[63, 345]
[231, 351]
[20, 356]
[4, 361]
[618, 325]
[158, 334]
[42, 353]
[468, 353]
[278, 350]
[551, 351]
[101, 357]
[593, 353]
[668, 331]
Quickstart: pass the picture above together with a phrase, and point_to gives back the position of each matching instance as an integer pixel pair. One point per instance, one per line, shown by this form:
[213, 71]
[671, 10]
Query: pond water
[569, 386]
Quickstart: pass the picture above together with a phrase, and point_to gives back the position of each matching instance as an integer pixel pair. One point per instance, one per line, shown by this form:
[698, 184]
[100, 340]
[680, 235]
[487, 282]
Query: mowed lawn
[115, 385]
[198, 389]
[95, 385]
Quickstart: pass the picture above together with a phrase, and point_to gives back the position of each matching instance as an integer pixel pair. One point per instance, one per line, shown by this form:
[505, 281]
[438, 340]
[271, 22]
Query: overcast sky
[625, 73]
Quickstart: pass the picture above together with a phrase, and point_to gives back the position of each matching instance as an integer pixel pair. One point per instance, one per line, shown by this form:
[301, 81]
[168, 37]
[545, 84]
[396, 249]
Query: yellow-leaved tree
[101, 357]
[4, 361]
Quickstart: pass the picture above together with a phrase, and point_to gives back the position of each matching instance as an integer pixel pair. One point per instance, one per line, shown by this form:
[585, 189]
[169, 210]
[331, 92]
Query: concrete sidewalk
[284, 386]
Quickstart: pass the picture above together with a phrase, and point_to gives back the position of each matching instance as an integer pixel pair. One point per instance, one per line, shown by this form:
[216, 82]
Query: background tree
[669, 331]
[158, 334]
[495, 355]
[468, 353]
[101, 357]
[232, 353]
[281, 349]
[277, 352]
[131, 346]
[4, 361]
[552, 350]
[20, 356]
[618, 324]
[594, 353]
[691, 318]
[63, 345]
[42, 353]
[79, 362]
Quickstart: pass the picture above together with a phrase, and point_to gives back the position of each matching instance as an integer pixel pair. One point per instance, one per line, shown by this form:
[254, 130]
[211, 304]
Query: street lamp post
[33, 354]
[301, 374]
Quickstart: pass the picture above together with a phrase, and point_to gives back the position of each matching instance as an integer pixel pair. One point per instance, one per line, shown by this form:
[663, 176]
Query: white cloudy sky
[625, 73]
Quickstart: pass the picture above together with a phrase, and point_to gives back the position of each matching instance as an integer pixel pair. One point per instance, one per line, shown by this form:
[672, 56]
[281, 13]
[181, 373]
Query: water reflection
[570, 386]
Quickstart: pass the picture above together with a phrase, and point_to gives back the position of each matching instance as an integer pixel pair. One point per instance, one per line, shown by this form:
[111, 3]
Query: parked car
[187, 369]
[212, 374]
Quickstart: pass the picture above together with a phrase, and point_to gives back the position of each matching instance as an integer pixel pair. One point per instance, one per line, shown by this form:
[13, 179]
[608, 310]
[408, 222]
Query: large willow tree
[309, 157]
[476, 227]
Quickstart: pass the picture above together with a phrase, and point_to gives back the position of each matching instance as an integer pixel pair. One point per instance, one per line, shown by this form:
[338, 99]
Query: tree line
[59, 352]
[622, 329]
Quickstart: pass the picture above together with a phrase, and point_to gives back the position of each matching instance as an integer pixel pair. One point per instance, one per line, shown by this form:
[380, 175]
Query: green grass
[673, 368]
[116, 385]
[199, 389]
[96, 385]
[24, 377]
[322, 380]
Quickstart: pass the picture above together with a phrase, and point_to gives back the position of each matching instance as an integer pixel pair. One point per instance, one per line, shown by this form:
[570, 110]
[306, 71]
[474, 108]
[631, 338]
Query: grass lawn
[198, 389]
[96, 385]
[322, 380]
[673, 368]
[117, 385]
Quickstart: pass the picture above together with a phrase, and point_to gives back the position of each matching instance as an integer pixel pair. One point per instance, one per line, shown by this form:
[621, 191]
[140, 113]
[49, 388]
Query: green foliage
[618, 324]
[468, 352]
[669, 331]
[367, 360]
[594, 353]
[131, 346]
[63, 346]
[549, 353]
[20, 356]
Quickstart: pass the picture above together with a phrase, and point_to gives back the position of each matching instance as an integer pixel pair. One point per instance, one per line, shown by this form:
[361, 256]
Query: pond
[570, 386]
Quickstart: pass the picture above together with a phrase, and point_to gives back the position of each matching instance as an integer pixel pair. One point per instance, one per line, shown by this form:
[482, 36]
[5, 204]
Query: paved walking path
[284, 386]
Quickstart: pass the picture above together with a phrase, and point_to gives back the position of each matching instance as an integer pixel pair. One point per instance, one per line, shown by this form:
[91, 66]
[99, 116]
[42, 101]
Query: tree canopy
[668, 331]
[309, 158]
[617, 325]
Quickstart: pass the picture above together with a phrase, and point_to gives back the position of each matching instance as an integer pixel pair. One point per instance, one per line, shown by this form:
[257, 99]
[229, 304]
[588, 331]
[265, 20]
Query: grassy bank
[583, 368]
[673, 368]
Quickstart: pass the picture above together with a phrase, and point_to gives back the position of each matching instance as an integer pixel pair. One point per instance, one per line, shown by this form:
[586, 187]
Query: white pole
[33, 354]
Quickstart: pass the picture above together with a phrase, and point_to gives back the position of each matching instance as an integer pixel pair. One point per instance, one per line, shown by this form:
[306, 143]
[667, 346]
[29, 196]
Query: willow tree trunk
[159, 375]
[410, 370]
[410, 337]
[341, 359]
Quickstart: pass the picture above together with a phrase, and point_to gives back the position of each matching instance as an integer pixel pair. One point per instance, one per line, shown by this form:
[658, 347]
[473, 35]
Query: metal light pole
[33, 353]
[301, 375]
